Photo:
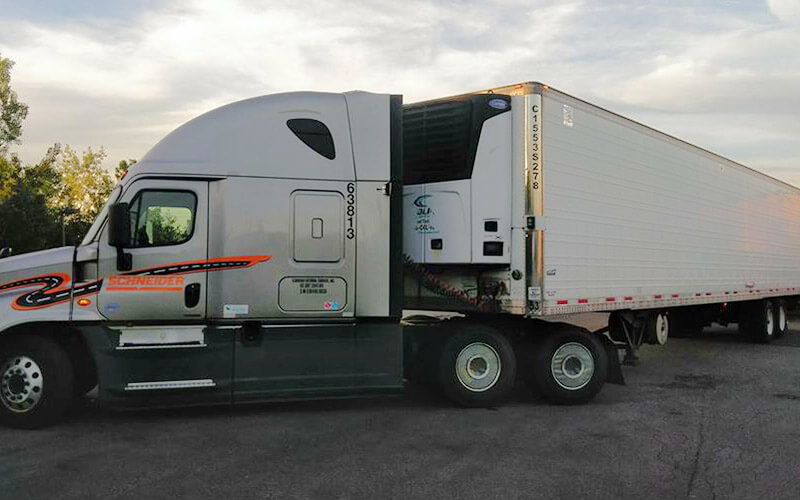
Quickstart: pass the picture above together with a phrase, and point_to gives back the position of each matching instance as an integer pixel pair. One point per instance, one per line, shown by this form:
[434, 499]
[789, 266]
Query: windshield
[101, 217]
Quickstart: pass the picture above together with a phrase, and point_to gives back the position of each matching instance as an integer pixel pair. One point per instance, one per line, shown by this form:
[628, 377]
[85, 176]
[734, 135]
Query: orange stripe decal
[52, 289]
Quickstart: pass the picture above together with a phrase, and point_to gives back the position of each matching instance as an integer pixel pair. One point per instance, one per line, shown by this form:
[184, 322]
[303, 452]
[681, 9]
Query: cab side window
[162, 217]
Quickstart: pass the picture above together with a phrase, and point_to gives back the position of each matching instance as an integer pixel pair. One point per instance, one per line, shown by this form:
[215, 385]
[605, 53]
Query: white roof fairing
[251, 138]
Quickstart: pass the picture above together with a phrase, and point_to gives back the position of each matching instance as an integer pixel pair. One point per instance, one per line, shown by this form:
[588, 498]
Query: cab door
[165, 279]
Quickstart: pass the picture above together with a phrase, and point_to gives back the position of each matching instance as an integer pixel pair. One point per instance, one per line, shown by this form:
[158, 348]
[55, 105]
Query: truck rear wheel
[477, 367]
[781, 321]
[757, 321]
[36, 382]
[568, 367]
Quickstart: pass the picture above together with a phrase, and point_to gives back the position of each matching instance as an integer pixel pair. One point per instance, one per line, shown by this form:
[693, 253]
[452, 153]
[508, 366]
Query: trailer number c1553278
[350, 214]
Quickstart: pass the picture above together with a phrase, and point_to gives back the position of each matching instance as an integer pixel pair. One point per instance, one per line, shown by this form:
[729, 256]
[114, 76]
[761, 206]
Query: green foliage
[64, 188]
[123, 167]
[54, 201]
[26, 221]
[166, 229]
[12, 112]
[85, 184]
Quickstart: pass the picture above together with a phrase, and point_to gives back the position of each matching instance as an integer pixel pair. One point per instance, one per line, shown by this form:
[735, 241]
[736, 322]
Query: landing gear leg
[628, 327]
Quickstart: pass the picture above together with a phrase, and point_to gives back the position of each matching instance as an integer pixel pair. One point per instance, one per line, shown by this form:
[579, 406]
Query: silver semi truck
[267, 250]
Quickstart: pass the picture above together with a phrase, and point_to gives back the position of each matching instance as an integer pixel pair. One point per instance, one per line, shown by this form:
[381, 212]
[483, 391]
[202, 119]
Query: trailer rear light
[675, 295]
[656, 296]
[628, 298]
[610, 299]
[562, 302]
[583, 301]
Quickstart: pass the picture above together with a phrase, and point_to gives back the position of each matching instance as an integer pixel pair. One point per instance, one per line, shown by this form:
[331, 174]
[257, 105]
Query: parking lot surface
[712, 417]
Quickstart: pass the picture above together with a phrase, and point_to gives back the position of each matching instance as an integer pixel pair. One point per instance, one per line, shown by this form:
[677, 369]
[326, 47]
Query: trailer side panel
[636, 219]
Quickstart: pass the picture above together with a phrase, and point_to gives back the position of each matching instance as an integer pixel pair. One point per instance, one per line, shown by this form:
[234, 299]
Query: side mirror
[119, 225]
[119, 234]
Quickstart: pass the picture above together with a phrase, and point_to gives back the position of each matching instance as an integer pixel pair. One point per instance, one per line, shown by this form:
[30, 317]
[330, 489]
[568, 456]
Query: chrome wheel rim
[781, 317]
[572, 366]
[662, 329]
[21, 385]
[478, 367]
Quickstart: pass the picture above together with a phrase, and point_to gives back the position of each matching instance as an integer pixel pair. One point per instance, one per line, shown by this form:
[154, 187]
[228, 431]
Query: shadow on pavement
[412, 397]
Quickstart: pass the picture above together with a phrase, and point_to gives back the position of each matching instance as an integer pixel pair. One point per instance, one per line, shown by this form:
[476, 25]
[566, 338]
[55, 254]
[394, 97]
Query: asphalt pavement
[712, 417]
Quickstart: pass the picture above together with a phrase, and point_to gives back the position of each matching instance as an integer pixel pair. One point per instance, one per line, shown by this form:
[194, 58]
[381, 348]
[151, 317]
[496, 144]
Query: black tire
[454, 367]
[82, 385]
[658, 328]
[756, 320]
[543, 366]
[780, 318]
[54, 377]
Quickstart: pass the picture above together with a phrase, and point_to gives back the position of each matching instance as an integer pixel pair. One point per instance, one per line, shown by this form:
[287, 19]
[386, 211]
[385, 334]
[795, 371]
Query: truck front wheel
[477, 367]
[36, 382]
[569, 366]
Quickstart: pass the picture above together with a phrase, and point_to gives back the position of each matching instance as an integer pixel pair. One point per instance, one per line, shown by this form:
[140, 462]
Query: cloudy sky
[723, 74]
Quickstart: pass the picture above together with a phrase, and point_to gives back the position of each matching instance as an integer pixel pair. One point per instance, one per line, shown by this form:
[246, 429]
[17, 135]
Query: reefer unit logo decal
[53, 290]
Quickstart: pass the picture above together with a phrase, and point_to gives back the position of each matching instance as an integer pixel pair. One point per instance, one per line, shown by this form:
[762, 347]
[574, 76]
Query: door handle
[191, 295]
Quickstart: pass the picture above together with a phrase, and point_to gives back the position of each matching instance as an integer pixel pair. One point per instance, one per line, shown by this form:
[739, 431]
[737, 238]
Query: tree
[85, 184]
[123, 167]
[26, 220]
[83, 189]
[12, 112]
[50, 203]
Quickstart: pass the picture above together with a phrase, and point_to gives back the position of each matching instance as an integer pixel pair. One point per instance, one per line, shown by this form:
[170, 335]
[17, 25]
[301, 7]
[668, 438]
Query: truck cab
[250, 255]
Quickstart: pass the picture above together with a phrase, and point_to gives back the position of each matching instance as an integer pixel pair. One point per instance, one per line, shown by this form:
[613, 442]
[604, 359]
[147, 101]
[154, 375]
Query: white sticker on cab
[234, 310]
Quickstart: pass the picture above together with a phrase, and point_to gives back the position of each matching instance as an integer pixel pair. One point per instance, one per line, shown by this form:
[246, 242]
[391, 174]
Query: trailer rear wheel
[36, 382]
[757, 321]
[569, 366]
[657, 328]
[781, 322]
[477, 367]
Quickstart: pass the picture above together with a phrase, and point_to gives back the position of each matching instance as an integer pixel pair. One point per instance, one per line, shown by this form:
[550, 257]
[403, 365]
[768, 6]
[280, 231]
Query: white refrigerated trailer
[526, 200]
[265, 250]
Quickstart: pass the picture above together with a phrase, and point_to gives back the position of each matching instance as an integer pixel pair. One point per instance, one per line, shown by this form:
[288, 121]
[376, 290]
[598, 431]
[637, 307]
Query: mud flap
[614, 375]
